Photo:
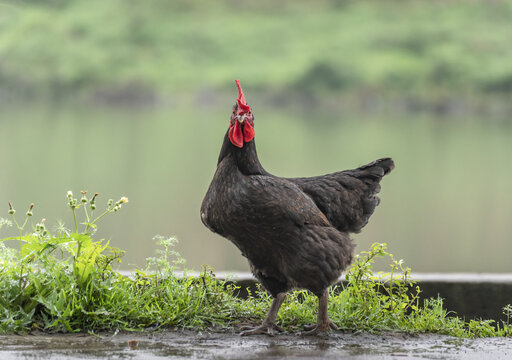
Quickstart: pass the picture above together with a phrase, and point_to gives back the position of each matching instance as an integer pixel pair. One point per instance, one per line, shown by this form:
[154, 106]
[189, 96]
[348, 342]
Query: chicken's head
[241, 126]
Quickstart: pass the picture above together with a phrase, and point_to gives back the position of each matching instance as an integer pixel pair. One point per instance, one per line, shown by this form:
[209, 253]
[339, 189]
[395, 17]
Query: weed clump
[64, 281]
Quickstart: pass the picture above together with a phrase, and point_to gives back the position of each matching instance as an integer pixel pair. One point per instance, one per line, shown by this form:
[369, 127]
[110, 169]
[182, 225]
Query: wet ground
[192, 345]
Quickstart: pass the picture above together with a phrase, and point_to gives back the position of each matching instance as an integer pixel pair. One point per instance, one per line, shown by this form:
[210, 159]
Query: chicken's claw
[314, 330]
[263, 329]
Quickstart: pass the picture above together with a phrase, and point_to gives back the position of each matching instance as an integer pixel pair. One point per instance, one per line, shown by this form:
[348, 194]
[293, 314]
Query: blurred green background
[132, 98]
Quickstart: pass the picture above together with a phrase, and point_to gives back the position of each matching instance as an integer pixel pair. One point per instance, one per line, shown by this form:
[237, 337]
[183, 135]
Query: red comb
[242, 105]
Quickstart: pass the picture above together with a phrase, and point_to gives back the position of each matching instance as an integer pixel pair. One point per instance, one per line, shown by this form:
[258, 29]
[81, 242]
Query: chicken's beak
[241, 118]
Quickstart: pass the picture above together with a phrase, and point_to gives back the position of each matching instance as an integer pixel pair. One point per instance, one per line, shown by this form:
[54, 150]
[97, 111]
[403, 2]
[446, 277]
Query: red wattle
[248, 132]
[235, 135]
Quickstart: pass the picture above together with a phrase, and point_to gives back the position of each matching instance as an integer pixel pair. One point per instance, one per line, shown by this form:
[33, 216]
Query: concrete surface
[229, 346]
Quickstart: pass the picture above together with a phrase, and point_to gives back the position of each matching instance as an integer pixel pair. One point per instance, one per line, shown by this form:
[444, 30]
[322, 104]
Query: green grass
[413, 49]
[64, 281]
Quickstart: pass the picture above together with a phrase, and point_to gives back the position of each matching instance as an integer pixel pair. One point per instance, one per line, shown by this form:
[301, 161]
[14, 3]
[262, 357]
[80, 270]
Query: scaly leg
[323, 323]
[268, 326]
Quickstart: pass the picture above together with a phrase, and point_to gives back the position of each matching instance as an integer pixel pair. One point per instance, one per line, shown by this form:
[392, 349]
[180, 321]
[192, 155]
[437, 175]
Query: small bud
[40, 226]
[93, 200]
[93, 207]
[110, 202]
[29, 212]
[116, 207]
[72, 202]
[11, 209]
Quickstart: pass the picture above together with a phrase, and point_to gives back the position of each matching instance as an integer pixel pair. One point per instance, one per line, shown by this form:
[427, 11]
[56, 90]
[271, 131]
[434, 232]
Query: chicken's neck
[245, 158]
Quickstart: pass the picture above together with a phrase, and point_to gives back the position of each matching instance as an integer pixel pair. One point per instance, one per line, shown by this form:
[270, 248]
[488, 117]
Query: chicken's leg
[268, 326]
[323, 323]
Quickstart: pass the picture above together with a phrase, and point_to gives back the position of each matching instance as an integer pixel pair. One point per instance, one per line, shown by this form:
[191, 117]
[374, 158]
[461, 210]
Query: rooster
[293, 231]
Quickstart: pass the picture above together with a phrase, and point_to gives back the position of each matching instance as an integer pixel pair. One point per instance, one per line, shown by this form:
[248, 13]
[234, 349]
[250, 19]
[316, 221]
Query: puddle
[228, 345]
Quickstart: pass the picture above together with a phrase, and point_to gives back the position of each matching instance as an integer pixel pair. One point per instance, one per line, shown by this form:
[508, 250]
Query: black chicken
[293, 231]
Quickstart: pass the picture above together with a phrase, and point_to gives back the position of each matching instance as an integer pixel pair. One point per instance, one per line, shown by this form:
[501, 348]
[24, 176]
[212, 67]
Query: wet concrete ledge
[472, 296]
[469, 295]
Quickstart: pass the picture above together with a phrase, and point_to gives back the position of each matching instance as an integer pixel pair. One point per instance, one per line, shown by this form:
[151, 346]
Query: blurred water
[446, 207]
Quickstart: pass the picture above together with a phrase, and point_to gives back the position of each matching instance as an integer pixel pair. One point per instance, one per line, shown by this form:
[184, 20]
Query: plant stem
[24, 223]
[74, 217]
[99, 217]
[86, 214]
[88, 219]
[20, 228]
[391, 285]
[14, 220]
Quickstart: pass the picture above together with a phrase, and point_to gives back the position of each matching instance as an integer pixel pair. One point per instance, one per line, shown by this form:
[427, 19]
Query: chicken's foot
[323, 324]
[268, 326]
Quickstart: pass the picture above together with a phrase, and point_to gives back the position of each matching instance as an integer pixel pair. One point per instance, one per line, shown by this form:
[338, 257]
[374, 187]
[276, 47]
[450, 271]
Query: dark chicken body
[293, 231]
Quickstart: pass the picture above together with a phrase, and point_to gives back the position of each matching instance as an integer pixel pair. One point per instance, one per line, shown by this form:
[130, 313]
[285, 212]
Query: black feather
[293, 231]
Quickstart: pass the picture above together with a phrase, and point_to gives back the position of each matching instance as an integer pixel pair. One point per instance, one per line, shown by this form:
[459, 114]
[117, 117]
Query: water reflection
[446, 207]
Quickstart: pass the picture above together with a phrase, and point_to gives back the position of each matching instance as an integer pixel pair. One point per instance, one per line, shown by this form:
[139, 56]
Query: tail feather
[377, 168]
[371, 175]
[347, 198]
